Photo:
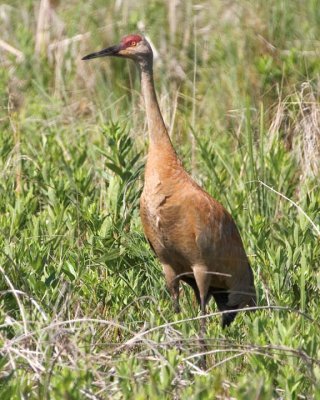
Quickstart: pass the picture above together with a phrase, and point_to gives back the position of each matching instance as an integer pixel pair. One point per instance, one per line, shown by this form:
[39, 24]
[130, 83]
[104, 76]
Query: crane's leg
[192, 282]
[172, 282]
[202, 279]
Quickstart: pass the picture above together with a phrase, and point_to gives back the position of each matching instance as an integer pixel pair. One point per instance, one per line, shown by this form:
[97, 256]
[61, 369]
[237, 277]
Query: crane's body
[194, 237]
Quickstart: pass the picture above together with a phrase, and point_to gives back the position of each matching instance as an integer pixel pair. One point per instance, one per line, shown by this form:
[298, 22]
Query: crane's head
[134, 46]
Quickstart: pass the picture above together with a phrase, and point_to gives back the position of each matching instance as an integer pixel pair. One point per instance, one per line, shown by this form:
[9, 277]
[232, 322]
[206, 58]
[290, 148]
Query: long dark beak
[109, 51]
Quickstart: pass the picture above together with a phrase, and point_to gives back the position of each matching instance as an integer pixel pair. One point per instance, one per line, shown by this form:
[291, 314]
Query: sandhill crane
[194, 237]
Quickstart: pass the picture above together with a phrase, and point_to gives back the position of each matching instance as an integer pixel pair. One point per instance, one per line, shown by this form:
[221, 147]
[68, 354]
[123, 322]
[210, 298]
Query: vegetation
[84, 310]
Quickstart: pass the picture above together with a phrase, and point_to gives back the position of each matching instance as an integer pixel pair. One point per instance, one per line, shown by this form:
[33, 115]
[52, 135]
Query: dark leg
[172, 281]
[191, 282]
[203, 283]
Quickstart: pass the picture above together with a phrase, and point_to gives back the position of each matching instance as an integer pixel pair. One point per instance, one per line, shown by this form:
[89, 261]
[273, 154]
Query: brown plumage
[194, 237]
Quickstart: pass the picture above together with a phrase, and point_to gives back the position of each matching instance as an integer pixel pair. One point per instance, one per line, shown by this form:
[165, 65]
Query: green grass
[83, 305]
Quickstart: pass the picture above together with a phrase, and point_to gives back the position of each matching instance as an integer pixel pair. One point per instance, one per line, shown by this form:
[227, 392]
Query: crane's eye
[133, 43]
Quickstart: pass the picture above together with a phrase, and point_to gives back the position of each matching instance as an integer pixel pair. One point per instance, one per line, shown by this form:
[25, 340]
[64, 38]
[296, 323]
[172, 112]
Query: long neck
[158, 134]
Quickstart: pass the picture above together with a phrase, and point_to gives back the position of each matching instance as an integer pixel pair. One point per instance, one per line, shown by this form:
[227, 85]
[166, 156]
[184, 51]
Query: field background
[84, 309]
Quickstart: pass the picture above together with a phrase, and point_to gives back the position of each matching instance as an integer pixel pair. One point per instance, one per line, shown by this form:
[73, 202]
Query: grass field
[84, 309]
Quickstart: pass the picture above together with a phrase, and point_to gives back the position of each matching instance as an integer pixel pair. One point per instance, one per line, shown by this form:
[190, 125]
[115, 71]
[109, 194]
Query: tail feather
[222, 299]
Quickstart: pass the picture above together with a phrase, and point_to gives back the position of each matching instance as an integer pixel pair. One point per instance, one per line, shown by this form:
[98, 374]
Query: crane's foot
[176, 306]
[202, 345]
[202, 349]
[203, 362]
